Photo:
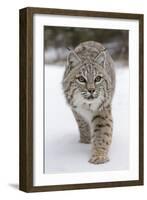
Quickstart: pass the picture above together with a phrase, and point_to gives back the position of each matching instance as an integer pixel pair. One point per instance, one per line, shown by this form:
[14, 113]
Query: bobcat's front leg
[101, 136]
[83, 128]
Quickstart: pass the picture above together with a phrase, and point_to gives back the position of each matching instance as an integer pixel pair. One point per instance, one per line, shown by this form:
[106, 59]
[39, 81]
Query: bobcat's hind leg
[83, 128]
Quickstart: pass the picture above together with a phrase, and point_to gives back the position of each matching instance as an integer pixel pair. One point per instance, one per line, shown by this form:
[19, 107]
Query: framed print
[81, 99]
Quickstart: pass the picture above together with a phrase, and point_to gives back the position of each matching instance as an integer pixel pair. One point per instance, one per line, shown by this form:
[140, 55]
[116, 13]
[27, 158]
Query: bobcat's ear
[73, 59]
[100, 59]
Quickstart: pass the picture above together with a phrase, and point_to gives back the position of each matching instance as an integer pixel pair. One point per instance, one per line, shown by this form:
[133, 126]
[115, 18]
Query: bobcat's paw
[98, 159]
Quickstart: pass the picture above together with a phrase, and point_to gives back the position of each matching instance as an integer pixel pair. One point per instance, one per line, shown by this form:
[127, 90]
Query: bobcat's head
[86, 80]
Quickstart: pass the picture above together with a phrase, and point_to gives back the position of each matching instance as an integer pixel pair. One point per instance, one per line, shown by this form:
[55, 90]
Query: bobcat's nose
[91, 90]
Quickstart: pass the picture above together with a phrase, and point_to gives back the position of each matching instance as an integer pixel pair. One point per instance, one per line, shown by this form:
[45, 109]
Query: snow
[63, 152]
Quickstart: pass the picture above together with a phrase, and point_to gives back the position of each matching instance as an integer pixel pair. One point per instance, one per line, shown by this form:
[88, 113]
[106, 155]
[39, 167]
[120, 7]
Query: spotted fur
[88, 84]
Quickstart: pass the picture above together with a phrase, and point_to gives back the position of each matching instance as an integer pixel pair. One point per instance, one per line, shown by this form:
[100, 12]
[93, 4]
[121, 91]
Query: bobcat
[88, 84]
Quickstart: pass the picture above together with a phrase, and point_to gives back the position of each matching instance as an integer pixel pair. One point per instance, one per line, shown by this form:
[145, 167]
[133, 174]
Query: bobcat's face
[90, 82]
[92, 87]
[86, 82]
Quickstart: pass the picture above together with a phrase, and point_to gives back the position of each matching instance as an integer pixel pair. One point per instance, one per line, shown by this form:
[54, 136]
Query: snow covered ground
[63, 152]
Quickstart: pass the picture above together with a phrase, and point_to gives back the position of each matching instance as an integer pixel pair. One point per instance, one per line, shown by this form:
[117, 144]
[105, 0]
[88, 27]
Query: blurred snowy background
[63, 152]
[57, 40]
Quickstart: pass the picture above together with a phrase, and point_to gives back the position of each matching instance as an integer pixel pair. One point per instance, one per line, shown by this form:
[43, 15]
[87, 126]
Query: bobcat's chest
[85, 108]
[85, 113]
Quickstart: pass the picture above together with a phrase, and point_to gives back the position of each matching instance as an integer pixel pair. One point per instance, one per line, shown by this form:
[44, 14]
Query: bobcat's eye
[98, 79]
[81, 79]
